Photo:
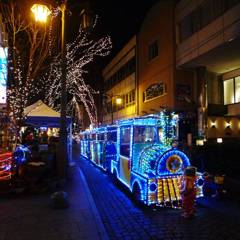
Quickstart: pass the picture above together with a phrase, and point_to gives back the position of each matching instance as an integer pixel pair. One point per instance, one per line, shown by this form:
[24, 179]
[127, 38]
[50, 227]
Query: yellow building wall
[223, 127]
[158, 25]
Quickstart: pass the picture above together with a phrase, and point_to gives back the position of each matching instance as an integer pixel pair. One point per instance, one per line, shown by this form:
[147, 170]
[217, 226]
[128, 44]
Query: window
[204, 14]
[153, 50]
[112, 136]
[125, 141]
[160, 135]
[93, 136]
[130, 98]
[100, 136]
[228, 91]
[237, 89]
[121, 74]
[144, 134]
[126, 99]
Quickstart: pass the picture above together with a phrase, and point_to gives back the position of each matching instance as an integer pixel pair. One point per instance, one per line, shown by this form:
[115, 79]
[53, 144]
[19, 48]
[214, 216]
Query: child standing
[188, 192]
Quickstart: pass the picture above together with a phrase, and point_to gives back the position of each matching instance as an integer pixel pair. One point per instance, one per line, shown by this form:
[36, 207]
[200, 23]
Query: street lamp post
[111, 109]
[63, 156]
[41, 13]
[118, 101]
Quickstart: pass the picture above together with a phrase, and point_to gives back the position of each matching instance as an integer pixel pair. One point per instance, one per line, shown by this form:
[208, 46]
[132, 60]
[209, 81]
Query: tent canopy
[40, 115]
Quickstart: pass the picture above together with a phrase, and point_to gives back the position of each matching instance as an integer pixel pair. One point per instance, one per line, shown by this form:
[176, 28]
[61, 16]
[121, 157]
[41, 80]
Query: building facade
[120, 83]
[161, 85]
[208, 38]
[186, 60]
[155, 84]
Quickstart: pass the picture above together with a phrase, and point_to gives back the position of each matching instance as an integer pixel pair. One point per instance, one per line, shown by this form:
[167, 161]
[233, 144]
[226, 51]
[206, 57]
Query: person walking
[188, 192]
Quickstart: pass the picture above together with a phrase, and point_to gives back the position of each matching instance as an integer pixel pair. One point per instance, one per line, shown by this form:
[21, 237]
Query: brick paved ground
[109, 213]
[122, 219]
[31, 217]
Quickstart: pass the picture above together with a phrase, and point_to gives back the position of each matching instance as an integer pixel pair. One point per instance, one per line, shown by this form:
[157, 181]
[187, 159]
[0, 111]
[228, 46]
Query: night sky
[121, 19]
[118, 19]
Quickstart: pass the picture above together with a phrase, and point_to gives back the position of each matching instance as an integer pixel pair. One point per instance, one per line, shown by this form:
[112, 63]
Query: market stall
[47, 121]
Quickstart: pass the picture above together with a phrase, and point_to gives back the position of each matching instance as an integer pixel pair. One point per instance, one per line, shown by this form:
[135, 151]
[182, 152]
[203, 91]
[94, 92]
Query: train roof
[149, 120]
[102, 129]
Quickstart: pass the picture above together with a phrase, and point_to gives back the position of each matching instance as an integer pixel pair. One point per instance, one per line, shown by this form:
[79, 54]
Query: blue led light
[152, 187]
[161, 168]
[148, 159]
[21, 154]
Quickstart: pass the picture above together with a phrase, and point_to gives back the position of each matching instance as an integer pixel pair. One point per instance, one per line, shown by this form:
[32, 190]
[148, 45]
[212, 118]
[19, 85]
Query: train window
[144, 134]
[112, 136]
[100, 136]
[93, 137]
[160, 134]
[125, 141]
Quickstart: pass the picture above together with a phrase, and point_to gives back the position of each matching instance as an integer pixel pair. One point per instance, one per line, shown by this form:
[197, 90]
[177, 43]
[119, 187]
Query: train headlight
[200, 182]
[153, 187]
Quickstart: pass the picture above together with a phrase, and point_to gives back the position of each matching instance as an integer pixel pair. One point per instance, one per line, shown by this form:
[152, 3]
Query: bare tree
[30, 47]
[83, 50]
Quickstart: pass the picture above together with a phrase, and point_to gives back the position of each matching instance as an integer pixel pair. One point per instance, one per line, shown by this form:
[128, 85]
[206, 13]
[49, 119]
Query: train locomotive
[139, 153]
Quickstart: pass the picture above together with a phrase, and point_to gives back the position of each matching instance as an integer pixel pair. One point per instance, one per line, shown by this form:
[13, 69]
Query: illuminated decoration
[154, 91]
[174, 163]
[219, 140]
[80, 53]
[21, 154]
[200, 142]
[168, 161]
[5, 166]
[26, 65]
[118, 100]
[213, 124]
[41, 12]
[3, 74]
[150, 167]
[228, 124]
[168, 122]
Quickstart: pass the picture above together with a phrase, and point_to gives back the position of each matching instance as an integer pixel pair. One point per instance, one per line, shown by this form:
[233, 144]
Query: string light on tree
[80, 53]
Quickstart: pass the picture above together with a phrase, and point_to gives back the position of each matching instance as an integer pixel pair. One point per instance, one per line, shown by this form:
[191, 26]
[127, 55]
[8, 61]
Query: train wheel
[114, 176]
[136, 192]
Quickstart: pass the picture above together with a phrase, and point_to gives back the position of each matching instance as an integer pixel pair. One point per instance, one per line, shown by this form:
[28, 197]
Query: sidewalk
[25, 217]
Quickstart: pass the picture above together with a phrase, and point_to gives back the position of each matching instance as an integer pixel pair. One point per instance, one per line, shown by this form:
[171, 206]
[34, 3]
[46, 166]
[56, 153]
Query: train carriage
[138, 153]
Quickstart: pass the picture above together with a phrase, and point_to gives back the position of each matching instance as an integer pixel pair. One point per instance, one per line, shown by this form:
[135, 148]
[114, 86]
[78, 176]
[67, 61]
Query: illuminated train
[139, 153]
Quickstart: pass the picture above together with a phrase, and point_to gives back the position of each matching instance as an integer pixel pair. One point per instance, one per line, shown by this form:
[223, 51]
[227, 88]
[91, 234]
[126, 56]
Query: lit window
[125, 141]
[237, 89]
[232, 90]
[228, 91]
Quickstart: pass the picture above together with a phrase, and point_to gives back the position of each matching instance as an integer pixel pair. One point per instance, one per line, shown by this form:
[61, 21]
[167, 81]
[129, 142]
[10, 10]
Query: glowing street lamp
[41, 12]
[118, 100]
[114, 99]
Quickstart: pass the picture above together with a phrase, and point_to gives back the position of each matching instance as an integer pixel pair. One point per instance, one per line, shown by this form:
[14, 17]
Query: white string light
[80, 52]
